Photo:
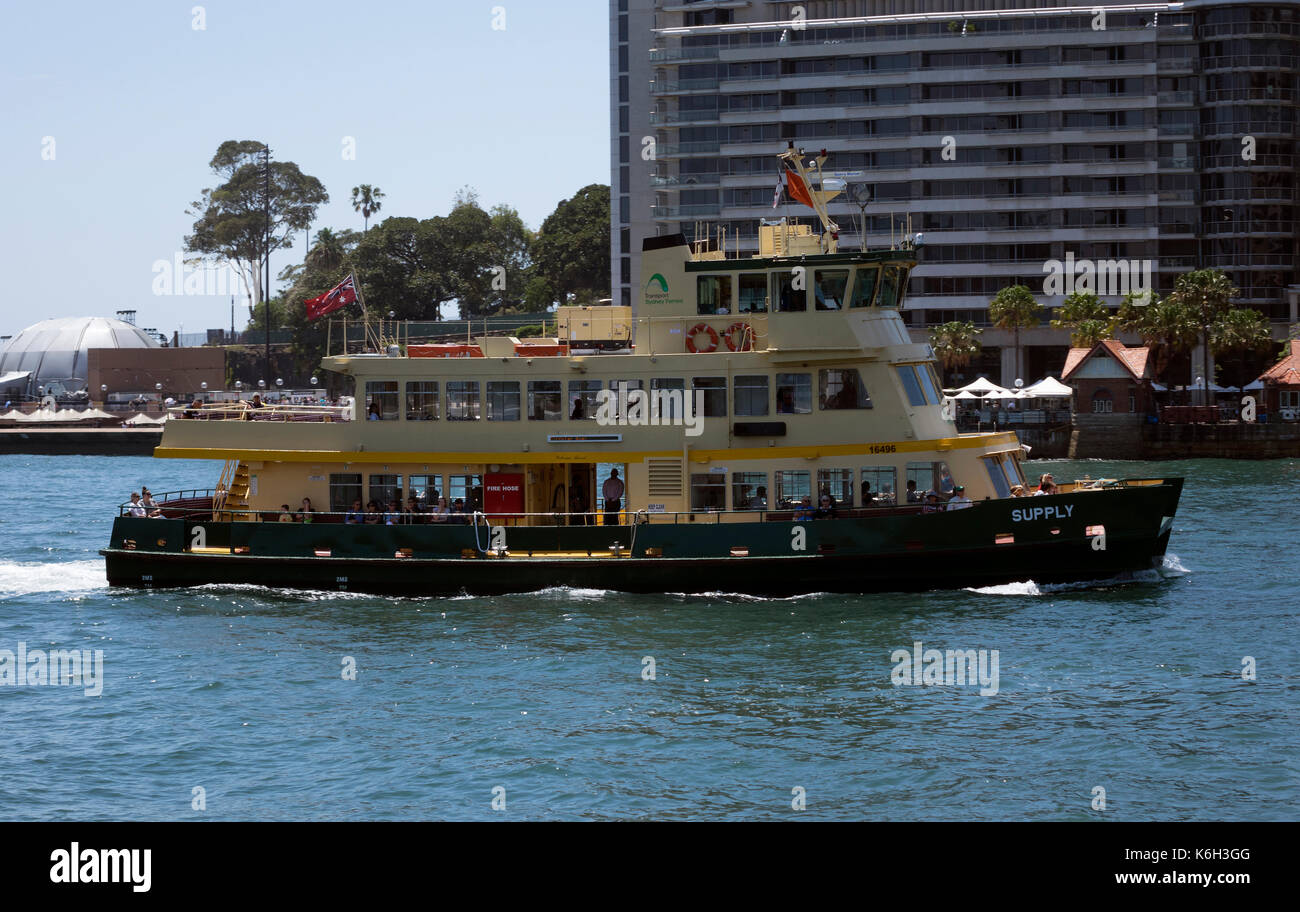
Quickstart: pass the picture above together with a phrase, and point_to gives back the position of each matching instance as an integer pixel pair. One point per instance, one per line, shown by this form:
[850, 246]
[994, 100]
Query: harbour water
[232, 703]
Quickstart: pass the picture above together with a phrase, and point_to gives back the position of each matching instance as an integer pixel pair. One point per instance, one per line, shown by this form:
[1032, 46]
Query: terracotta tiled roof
[1134, 360]
[1288, 369]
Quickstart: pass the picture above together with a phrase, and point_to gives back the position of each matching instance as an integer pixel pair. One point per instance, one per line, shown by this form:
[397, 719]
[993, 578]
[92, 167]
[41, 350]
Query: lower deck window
[838, 483]
[792, 488]
[345, 488]
[709, 491]
[749, 491]
[931, 476]
[426, 489]
[384, 489]
[879, 484]
[466, 488]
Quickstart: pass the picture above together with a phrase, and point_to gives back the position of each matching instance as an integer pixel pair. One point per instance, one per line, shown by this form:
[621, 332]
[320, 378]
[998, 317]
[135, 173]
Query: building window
[715, 395]
[462, 400]
[545, 400]
[879, 484]
[1102, 402]
[838, 483]
[503, 400]
[584, 399]
[381, 400]
[709, 491]
[793, 394]
[713, 294]
[828, 288]
[753, 293]
[751, 396]
[749, 491]
[842, 388]
[792, 488]
[384, 489]
[344, 489]
[422, 401]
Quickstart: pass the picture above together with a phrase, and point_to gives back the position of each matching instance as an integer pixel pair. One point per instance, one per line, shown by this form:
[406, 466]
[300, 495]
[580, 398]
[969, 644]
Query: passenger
[577, 507]
[441, 511]
[825, 508]
[151, 509]
[136, 509]
[355, 516]
[257, 401]
[394, 516]
[959, 500]
[932, 504]
[759, 500]
[1045, 485]
[306, 514]
[785, 400]
[196, 407]
[373, 516]
[459, 514]
[579, 410]
[612, 491]
[374, 414]
[1017, 490]
[868, 498]
[804, 511]
[913, 495]
[411, 515]
[285, 515]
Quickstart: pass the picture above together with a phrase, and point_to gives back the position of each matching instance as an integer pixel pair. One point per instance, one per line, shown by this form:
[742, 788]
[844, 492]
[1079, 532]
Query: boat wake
[1171, 568]
[32, 577]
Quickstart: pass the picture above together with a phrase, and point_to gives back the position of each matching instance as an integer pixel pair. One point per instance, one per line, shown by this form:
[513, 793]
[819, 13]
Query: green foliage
[231, 218]
[955, 344]
[571, 251]
[528, 331]
[1239, 339]
[1015, 308]
[366, 200]
[1087, 333]
[1087, 318]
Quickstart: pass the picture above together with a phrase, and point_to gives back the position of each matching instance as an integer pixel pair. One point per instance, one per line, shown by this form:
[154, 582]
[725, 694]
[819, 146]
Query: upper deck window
[503, 400]
[842, 388]
[584, 399]
[381, 400]
[422, 400]
[462, 400]
[667, 398]
[753, 293]
[864, 287]
[750, 393]
[789, 291]
[713, 294]
[545, 400]
[828, 288]
[715, 395]
[793, 394]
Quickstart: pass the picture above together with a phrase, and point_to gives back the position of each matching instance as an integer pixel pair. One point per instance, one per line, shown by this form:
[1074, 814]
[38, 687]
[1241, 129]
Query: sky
[111, 112]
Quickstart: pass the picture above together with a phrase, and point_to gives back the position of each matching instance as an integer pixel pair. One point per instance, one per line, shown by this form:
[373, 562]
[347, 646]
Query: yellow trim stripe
[610, 455]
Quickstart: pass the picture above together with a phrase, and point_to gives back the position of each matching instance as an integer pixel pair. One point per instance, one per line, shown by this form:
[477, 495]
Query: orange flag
[797, 189]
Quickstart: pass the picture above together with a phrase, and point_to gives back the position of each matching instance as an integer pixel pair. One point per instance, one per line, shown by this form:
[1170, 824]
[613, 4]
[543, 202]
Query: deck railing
[243, 411]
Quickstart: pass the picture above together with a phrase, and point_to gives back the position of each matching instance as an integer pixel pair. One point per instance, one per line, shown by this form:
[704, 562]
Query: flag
[798, 190]
[776, 194]
[340, 295]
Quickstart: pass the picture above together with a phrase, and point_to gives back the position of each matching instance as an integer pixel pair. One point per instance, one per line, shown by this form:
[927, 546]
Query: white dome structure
[54, 351]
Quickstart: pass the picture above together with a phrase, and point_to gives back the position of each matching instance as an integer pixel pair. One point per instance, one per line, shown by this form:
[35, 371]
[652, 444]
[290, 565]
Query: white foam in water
[1028, 587]
[29, 577]
[1173, 566]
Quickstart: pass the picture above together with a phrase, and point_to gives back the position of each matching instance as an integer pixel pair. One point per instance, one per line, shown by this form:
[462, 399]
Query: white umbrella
[1049, 386]
[978, 387]
[999, 393]
[964, 394]
[1254, 385]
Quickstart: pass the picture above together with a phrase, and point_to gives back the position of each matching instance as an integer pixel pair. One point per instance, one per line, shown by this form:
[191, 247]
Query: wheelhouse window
[381, 400]
[750, 393]
[345, 487]
[997, 476]
[713, 294]
[503, 400]
[891, 289]
[911, 385]
[838, 483]
[715, 395]
[384, 489]
[467, 488]
[864, 287]
[709, 491]
[545, 400]
[793, 394]
[828, 288]
[929, 383]
[667, 398]
[792, 488]
[584, 399]
[788, 297]
[422, 400]
[753, 293]
[462, 400]
[842, 388]
[879, 484]
[749, 491]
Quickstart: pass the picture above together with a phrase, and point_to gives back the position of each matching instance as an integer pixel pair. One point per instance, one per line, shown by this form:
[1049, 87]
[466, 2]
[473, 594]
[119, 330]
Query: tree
[1205, 294]
[366, 200]
[503, 288]
[1087, 318]
[1237, 340]
[1015, 308]
[232, 218]
[1166, 326]
[571, 250]
[955, 345]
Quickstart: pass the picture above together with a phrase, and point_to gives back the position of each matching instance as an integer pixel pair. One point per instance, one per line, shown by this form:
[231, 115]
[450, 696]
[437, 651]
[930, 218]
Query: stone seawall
[1220, 441]
[80, 441]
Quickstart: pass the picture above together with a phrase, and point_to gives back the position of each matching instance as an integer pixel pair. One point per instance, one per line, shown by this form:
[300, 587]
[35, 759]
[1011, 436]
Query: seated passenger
[136, 509]
[1018, 491]
[459, 514]
[913, 495]
[825, 507]
[804, 511]
[306, 514]
[411, 515]
[373, 516]
[932, 504]
[759, 500]
[151, 509]
[868, 498]
[394, 516]
[285, 515]
[355, 516]
[959, 500]
[441, 512]
[1045, 485]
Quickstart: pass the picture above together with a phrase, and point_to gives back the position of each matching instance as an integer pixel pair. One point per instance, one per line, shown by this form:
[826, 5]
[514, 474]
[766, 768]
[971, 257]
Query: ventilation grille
[665, 476]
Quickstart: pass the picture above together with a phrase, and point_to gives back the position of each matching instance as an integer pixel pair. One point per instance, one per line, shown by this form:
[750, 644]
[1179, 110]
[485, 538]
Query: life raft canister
[694, 332]
[739, 336]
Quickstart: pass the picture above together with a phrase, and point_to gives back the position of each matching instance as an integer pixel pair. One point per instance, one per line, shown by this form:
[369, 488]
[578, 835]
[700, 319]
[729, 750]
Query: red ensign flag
[798, 191]
[340, 295]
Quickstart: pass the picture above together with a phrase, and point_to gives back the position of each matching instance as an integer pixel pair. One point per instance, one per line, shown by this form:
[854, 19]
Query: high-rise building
[1012, 133]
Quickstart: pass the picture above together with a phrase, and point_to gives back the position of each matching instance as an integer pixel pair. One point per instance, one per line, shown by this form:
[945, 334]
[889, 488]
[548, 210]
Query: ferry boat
[763, 425]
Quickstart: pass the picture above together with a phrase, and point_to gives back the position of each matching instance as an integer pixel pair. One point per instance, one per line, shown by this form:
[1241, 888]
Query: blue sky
[137, 100]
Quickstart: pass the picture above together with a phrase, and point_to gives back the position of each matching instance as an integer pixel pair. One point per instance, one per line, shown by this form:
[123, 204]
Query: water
[1135, 688]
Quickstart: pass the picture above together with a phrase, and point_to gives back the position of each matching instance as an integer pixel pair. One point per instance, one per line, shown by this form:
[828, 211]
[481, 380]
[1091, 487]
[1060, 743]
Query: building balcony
[684, 150]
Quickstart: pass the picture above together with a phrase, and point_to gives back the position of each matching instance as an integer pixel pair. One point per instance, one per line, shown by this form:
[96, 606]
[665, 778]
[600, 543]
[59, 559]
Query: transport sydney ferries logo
[656, 289]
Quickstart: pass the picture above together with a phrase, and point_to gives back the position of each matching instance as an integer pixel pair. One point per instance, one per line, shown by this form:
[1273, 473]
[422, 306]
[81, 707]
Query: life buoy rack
[694, 332]
[739, 336]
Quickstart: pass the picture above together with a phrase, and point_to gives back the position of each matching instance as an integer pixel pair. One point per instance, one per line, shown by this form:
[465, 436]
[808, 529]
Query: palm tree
[1167, 326]
[1205, 293]
[1236, 336]
[1015, 308]
[365, 199]
[327, 254]
[1087, 318]
[955, 344]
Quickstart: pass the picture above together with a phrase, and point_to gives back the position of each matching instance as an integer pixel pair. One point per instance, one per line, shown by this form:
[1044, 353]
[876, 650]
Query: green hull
[1041, 538]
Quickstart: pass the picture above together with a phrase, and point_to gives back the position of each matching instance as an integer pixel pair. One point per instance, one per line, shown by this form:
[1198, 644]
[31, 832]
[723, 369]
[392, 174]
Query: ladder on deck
[232, 492]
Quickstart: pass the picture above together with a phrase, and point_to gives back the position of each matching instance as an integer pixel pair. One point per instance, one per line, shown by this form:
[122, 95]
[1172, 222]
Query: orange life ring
[742, 342]
[695, 331]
